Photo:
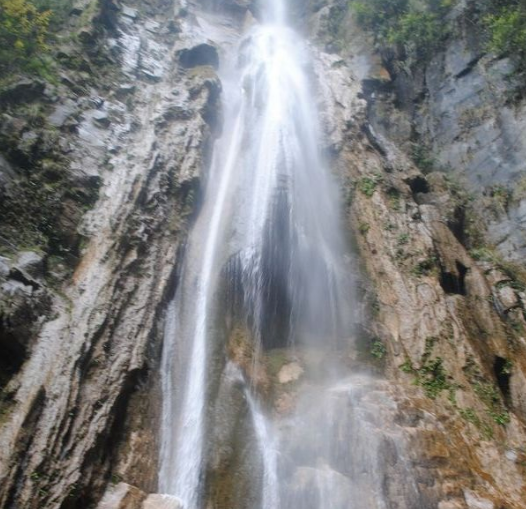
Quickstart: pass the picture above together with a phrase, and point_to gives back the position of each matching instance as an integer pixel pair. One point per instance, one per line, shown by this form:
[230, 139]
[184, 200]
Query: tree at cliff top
[25, 30]
[507, 26]
[23, 33]
[416, 26]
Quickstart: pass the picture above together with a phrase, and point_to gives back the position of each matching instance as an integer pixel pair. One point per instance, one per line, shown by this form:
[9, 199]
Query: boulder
[157, 501]
[62, 112]
[508, 298]
[101, 118]
[290, 373]
[122, 496]
[4, 266]
[475, 501]
[30, 264]
[129, 12]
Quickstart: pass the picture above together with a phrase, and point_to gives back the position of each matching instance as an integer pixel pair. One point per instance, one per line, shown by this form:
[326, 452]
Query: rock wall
[461, 111]
[145, 132]
[443, 322]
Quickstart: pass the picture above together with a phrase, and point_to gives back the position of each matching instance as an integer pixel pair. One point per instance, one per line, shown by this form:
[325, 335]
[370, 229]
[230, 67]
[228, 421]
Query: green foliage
[421, 156]
[424, 267]
[364, 228]
[60, 10]
[490, 396]
[368, 185]
[507, 27]
[403, 239]
[420, 32]
[23, 34]
[417, 26]
[469, 415]
[378, 350]
[431, 376]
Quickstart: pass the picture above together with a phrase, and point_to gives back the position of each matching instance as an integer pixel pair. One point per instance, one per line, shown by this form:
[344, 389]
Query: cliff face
[81, 350]
[443, 320]
[443, 301]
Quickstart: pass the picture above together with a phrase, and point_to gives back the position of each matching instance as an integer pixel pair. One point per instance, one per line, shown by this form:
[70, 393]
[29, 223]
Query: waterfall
[270, 219]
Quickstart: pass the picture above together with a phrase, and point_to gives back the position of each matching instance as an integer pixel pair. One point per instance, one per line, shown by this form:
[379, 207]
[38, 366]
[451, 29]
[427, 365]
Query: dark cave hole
[501, 368]
[418, 185]
[203, 54]
[12, 355]
[457, 224]
[454, 283]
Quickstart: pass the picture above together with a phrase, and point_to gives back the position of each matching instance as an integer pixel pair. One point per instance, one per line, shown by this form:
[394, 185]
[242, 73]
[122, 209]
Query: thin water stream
[271, 221]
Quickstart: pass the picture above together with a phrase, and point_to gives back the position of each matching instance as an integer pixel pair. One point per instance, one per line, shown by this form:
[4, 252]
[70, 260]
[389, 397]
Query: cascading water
[269, 232]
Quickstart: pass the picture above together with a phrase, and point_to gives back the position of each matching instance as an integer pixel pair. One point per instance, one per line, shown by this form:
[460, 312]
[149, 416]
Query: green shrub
[378, 350]
[417, 26]
[368, 185]
[23, 34]
[420, 32]
[507, 30]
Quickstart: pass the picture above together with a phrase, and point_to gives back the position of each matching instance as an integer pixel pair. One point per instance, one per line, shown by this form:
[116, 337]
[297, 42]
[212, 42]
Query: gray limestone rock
[30, 263]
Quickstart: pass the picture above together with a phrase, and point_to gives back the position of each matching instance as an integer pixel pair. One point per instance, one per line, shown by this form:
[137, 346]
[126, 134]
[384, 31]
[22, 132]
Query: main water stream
[269, 240]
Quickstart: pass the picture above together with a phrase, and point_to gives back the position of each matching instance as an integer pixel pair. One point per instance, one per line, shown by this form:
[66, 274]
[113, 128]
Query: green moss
[32, 213]
[393, 199]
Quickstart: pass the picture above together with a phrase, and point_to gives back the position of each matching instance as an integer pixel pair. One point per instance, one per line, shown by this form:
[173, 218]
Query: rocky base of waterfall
[125, 496]
[441, 274]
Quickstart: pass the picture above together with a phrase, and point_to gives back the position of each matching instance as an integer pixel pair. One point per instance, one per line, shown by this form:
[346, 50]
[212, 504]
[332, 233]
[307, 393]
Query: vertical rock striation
[147, 136]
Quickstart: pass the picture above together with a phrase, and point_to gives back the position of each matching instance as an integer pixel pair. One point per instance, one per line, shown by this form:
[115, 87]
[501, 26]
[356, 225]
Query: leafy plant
[420, 32]
[507, 29]
[403, 239]
[424, 267]
[364, 228]
[418, 27]
[368, 185]
[23, 34]
[490, 396]
[422, 157]
[378, 350]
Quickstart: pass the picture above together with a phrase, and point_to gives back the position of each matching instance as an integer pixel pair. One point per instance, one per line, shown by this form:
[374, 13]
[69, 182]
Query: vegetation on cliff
[506, 22]
[417, 27]
[27, 28]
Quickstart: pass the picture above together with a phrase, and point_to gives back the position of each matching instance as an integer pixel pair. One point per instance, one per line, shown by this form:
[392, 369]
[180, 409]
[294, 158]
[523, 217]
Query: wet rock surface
[79, 383]
[87, 355]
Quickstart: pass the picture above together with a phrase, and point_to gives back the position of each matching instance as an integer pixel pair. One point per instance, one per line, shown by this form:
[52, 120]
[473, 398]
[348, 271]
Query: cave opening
[502, 371]
[419, 185]
[454, 283]
[12, 355]
[202, 54]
